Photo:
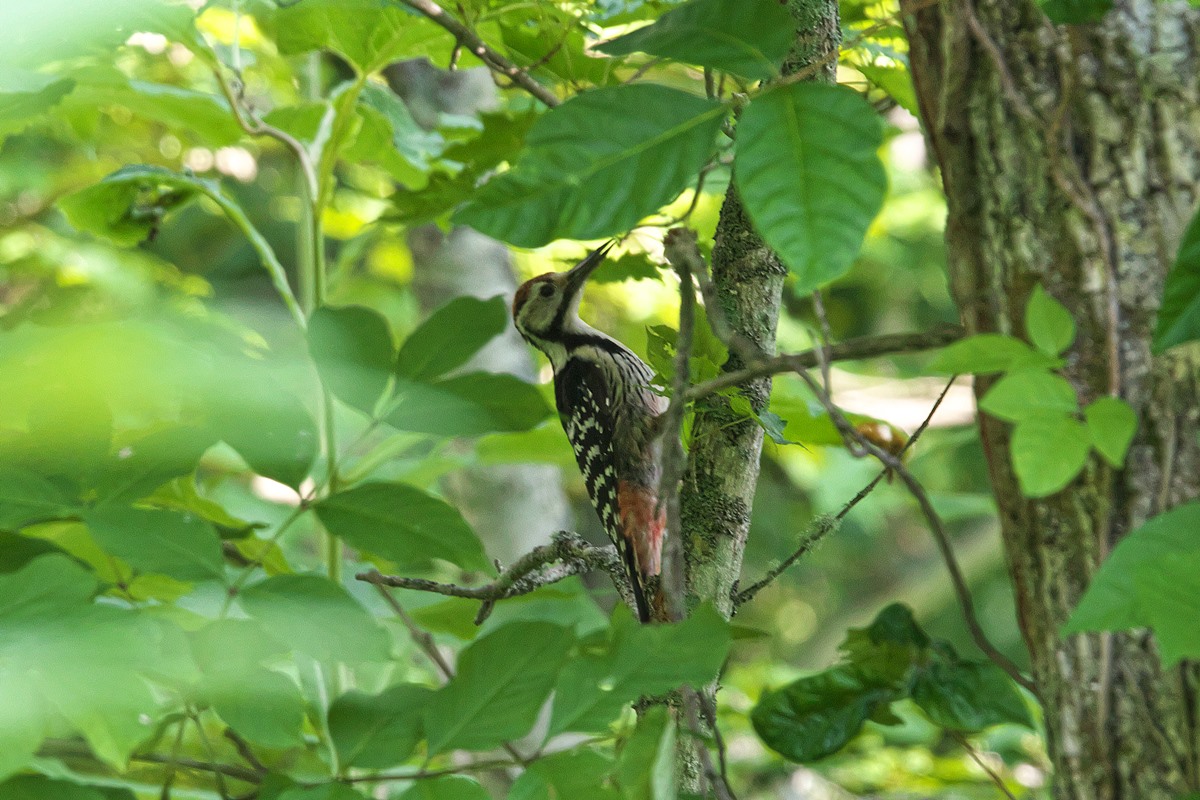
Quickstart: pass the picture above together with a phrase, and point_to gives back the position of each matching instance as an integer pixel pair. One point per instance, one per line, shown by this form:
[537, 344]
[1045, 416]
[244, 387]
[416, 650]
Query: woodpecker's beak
[578, 274]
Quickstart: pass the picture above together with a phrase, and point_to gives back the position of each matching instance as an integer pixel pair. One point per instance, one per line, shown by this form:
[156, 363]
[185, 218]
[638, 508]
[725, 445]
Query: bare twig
[52, 748]
[849, 350]
[978, 759]
[941, 538]
[692, 704]
[494, 61]
[530, 572]
[245, 751]
[824, 525]
[683, 252]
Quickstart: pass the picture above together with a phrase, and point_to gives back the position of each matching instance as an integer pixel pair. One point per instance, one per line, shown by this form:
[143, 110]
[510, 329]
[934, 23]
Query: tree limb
[494, 61]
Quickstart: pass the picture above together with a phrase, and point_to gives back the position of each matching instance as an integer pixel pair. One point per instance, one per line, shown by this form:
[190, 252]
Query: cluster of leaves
[1053, 437]
[890, 660]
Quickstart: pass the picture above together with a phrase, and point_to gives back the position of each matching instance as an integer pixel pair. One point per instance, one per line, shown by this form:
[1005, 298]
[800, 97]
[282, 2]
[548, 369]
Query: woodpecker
[610, 414]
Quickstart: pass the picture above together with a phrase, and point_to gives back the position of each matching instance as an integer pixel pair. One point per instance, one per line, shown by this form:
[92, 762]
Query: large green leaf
[747, 37]
[612, 672]
[450, 336]
[986, 354]
[1112, 424]
[581, 774]
[64, 658]
[646, 766]
[503, 679]
[403, 524]
[809, 175]
[598, 164]
[969, 696]
[447, 787]
[144, 464]
[1179, 316]
[164, 542]
[1048, 323]
[1028, 393]
[1074, 12]
[39, 787]
[816, 716]
[1048, 452]
[26, 497]
[26, 96]
[468, 405]
[264, 706]
[353, 351]
[314, 616]
[368, 33]
[377, 731]
[1151, 579]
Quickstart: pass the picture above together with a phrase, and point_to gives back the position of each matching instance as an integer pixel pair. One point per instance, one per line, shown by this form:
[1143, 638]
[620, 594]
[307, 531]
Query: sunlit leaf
[368, 33]
[807, 170]
[986, 354]
[1027, 393]
[1150, 580]
[1112, 425]
[1048, 323]
[646, 766]
[26, 96]
[1048, 452]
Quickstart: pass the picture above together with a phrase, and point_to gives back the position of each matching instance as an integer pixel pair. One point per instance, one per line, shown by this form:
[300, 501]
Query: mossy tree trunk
[1070, 157]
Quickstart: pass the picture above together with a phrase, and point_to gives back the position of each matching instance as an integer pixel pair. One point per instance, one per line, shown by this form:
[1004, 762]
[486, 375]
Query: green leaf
[969, 696]
[318, 618]
[1048, 323]
[448, 787]
[1074, 12]
[746, 37]
[127, 206]
[646, 766]
[986, 354]
[145, 464]
[1179, 316]
[809, 175]
[402, 524]
[896, 81]
[818, 715]
[1048, 452]
[1111, 424]
[577, 774]
[451, 336]
[598, 164]
[64, 658]
[885, 652]
[163, 542]
[40, 787]
[377, 731]
[468, 405]
[26, 497]
[502, 681]
[27, 96]
[1028, 393]
[352, 348]
[612, 672]
[1150, 580]
[264, 706]
[269, 426]
[368, 33]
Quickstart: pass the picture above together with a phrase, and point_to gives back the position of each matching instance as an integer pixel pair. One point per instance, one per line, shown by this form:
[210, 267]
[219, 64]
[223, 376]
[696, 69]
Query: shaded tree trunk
[1071, 157]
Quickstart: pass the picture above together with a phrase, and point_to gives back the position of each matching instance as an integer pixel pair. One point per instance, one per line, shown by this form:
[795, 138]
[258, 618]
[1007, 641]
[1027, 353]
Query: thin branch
[849, 350]
[530, 572]
[245, 751]
[69, 749]
[716, 778]
[978, 759]
[824, 525]
[683, 252]
[494, 61]
[941, 538]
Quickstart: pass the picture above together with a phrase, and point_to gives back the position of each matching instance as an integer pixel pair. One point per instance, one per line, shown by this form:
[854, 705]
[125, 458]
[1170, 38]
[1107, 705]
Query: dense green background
[176, 449]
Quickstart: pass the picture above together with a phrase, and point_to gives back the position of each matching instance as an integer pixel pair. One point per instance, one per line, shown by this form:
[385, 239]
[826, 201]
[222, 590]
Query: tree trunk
[1070, 157]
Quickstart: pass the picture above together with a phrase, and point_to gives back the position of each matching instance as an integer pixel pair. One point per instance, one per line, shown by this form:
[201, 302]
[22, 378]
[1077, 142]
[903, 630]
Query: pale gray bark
[1071, 158]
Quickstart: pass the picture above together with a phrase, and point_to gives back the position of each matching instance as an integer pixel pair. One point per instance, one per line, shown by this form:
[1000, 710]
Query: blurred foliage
[166, 427]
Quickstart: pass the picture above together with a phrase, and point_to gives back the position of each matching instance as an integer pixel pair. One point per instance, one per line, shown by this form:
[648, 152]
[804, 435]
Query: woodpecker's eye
[547, 289]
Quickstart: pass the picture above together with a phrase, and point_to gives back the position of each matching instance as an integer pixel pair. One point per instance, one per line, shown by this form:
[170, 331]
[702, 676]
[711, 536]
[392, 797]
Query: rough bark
[1070, 157]
[722, 473]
